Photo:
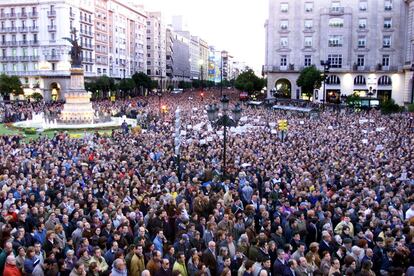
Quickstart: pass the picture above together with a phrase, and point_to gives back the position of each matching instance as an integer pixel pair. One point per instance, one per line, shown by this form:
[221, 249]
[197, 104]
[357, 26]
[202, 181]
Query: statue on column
[76, 50]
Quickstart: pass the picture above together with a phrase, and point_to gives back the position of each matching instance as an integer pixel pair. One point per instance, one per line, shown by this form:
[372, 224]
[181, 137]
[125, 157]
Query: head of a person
[11, 260]
[156, 255]
[281, 254]
[212, 245]
[181, 257]
[165, 263]
[119, 264]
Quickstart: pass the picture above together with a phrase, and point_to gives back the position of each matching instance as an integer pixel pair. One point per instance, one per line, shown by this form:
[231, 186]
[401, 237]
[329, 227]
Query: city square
[130, 145]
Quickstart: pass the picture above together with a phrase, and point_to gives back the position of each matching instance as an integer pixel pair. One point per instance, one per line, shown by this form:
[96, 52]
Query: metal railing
[51, 27]
[51, 13]
[336, 10]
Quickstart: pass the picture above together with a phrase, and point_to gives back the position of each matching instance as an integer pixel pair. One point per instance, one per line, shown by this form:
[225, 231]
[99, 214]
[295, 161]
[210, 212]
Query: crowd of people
[335, 197]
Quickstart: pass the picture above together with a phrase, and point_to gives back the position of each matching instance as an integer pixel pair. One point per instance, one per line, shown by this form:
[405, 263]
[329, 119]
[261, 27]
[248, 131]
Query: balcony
[29, 58]
[51, 13]
[3, 15]
[72, 15]
[388, 8]
[87, 60]
[54, 57]
[34, 29]
[34, 43]
[23, 15]
[24, 43]
[88, 46]
[336, 10]
[33, 14]
[12, 15]
[23, 29]
[277, 69]
[11, 43]
[51, 28]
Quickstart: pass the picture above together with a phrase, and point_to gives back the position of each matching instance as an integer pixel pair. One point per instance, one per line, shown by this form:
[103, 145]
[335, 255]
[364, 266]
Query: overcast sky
[233, 25]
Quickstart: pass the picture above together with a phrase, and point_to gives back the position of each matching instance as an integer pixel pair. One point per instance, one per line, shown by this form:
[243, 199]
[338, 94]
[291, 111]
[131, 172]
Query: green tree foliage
[249, 82]
[309, 79]
[353, 100]
[10, 85]
[142, 81]
[389, 107]
[126, 86]
[37, 96]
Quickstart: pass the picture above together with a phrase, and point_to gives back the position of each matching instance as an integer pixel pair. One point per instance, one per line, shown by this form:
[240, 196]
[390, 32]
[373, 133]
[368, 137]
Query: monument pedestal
[78, 107]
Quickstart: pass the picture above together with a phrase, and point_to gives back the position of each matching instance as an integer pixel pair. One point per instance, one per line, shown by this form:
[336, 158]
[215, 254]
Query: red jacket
[11, 270]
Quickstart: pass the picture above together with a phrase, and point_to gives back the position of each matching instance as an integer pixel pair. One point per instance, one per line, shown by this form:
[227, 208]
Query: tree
[389, 107]
[309, 79]
[249, 82]
[126, 85]
[10, 85]
[142, 81]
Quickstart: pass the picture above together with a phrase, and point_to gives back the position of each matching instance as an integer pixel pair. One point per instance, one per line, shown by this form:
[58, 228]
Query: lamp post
[326, 66]
[225, 121]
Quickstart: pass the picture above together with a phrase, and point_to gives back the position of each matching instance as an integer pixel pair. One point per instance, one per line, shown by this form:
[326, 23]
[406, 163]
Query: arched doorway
[283, 89]
[384, 92]
[55, 91]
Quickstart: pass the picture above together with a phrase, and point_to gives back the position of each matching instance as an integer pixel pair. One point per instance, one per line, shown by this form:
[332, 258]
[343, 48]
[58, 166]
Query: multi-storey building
[204, 51]
[112, 34]
[195, 62]
[364, 41]
[181, 56]
[32, 44]
[169, 52]
[127, 39]
[156, 48]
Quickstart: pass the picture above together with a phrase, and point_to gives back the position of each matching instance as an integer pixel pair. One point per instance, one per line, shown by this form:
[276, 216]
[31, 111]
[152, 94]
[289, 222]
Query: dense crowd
[334, 198]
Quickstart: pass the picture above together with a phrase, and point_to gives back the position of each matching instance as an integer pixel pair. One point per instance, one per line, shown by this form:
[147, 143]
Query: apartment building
[365, 41]
[32, 45]
[127, 39]
[204, 51]
[156, 48]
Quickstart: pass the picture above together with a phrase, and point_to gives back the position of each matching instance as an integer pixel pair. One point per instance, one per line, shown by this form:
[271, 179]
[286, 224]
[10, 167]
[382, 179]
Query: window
[384, 80]
[387, 5]
[34, 37]
[284, 7]
[336, 22]
[3, 51]
[15, 67]
[386, 41]
[335, 41]
[284, 42]
[308, 61]
[308, 7]
[360, 80]
[14, 52]
[362, 23]
[25, 68]
[308, 41]
[284, 24]
[386, 60]
[387, 23]
[308, 24]
[335, 60]
[362, 42]
[361, 60]
[363, 5]
[333, 79]
[283, 60]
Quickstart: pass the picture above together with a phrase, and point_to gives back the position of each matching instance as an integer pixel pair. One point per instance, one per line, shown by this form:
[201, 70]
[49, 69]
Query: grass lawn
[4, 130]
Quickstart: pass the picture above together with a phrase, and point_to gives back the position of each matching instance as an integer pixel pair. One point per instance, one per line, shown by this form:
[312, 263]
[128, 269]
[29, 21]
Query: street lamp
[225, 121]
[326, 66]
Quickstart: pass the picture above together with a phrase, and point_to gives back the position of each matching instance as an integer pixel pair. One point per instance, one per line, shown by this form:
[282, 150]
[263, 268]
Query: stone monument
[78, 107]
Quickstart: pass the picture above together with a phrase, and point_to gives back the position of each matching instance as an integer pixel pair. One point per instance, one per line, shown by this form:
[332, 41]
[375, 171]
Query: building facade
[156, 48]
[32, 44]
[361, 39]
[204, 52]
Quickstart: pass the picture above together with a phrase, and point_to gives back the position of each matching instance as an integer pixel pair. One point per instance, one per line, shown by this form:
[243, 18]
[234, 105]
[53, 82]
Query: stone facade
[368, 42]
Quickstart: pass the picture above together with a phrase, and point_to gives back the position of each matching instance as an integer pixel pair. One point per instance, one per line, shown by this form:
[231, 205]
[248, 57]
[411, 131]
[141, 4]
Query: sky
[233, 25]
